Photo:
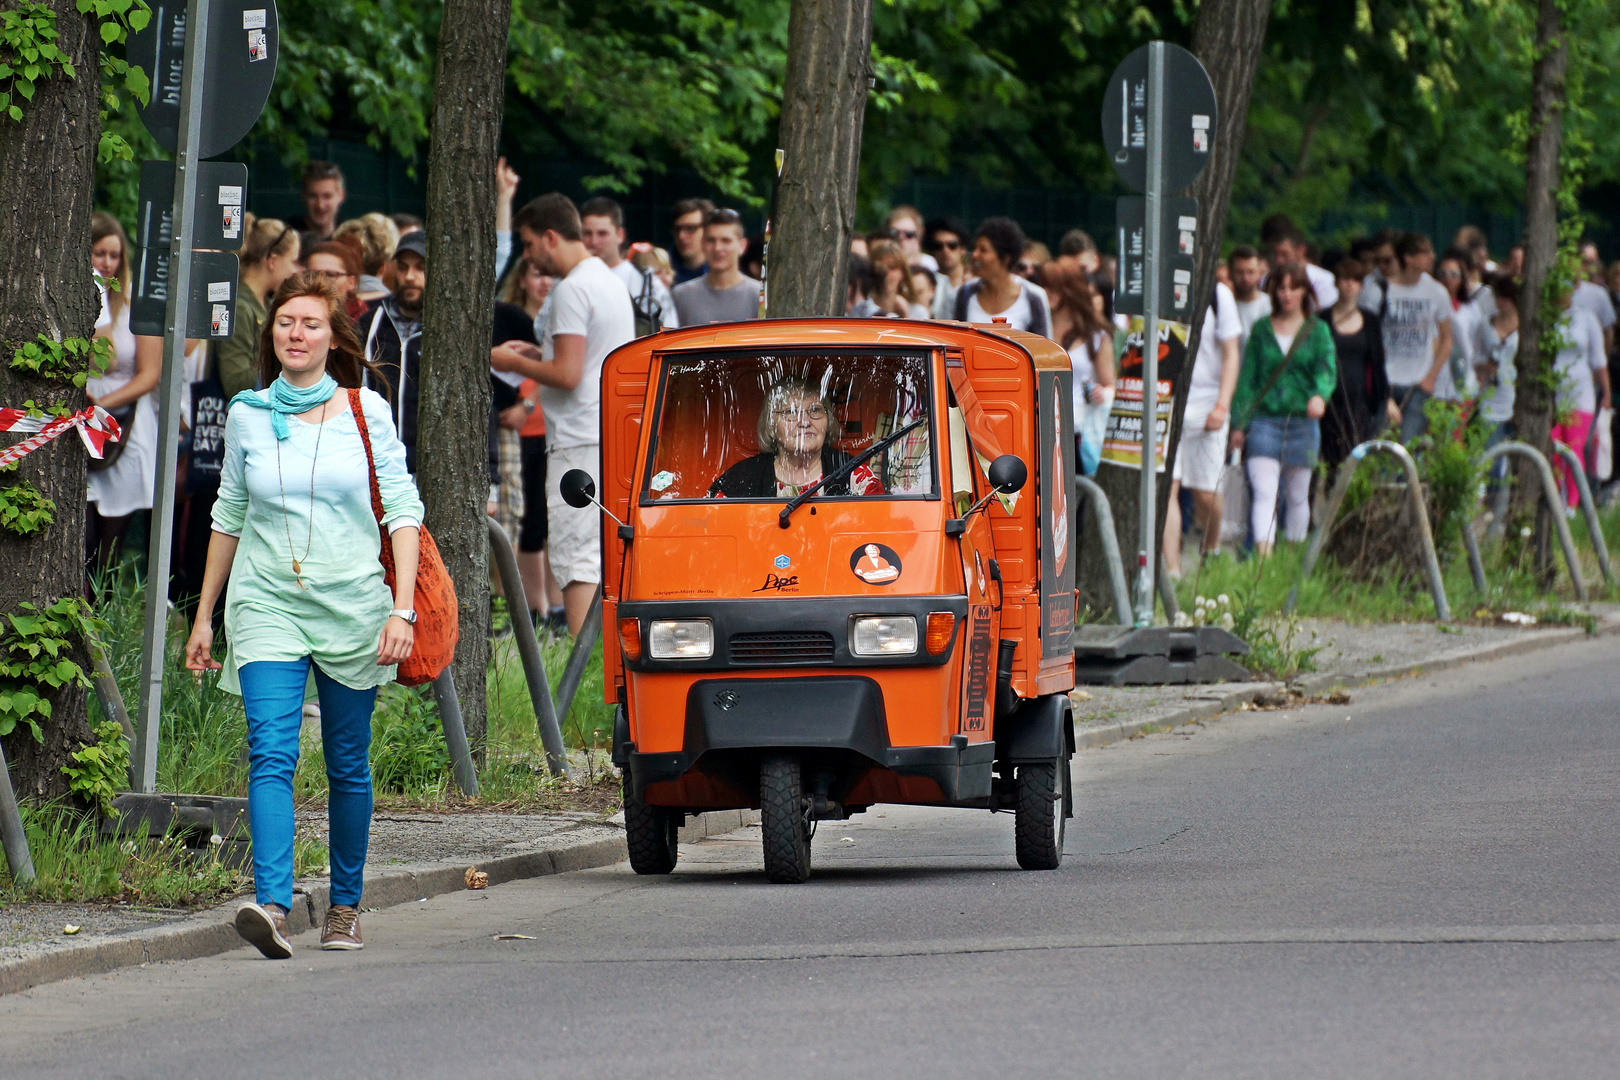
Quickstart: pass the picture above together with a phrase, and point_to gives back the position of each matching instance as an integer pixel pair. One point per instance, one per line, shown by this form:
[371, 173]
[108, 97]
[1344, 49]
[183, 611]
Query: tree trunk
[823, 108]
[1533, 399]
[459, 311]
[1228, 38]
[47, 175]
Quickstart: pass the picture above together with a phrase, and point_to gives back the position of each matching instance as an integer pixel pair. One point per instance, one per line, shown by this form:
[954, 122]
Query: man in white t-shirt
[1252, 303]
[1287, 244]
[1595, 298]
[1201, 454]
[1415, 312]
[587, 316]
[602, 229]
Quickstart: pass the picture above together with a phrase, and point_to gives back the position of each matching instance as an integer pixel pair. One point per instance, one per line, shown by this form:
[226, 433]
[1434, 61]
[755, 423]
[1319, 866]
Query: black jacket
[755, 477]
[394, 343]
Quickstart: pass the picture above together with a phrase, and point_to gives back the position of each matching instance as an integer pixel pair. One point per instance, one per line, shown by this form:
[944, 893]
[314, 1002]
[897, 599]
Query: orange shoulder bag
[437, 623]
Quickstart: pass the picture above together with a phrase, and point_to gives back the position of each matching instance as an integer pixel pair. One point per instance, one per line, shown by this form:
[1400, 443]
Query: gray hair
[791, 386]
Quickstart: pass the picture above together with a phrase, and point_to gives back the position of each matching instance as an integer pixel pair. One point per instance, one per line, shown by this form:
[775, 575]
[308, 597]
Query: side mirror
[1007, 475]
[579, 490]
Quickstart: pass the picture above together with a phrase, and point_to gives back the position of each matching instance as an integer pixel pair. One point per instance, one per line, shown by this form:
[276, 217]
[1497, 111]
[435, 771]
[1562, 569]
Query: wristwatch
[408, 614]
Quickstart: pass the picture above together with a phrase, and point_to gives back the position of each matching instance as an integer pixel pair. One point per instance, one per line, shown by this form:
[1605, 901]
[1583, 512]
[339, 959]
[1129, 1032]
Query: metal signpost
[1158, 124]
[211, 64]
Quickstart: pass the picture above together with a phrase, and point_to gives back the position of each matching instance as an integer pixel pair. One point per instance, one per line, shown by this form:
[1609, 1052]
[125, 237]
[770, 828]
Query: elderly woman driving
[796, 429]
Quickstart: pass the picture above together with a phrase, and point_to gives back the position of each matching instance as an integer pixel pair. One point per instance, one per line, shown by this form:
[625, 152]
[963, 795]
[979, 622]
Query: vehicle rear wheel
[783, 821]
[652, 834]
[1042, 805]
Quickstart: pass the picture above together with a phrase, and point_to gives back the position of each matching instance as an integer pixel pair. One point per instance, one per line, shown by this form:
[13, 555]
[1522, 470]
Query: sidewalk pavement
[415, 855]
[1351, 655]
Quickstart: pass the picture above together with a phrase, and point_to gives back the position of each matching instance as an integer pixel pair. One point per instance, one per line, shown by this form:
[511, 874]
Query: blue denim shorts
[1292, 440]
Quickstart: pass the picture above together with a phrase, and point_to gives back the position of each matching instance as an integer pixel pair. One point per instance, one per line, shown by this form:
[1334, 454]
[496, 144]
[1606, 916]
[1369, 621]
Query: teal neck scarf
[288, 400]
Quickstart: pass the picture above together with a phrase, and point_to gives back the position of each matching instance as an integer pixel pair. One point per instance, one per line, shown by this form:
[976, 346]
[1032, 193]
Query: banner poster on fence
[1122, 441]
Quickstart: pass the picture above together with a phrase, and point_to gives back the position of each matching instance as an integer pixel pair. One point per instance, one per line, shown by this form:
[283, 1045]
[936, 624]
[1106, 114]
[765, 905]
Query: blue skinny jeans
[273, 695]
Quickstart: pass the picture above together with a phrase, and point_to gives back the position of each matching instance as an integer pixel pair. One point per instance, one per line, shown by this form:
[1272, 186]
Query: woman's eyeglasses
[904, 234]
[814, 412]
[331, 275]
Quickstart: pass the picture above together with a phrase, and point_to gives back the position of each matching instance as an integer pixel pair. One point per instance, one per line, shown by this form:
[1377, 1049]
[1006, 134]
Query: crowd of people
[1304, 353]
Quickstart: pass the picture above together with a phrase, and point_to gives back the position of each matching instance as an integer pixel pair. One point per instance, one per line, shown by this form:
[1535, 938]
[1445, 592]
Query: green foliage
[72, 359]
[115, 19]
[101, 770]
[24, 509]
[1448, 464]
[28, 54]
[1271, 635]
[74, 863]
[407, 744]
[36, 658]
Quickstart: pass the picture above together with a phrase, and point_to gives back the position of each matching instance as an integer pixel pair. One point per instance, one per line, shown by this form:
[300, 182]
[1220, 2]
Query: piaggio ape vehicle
[828, 579]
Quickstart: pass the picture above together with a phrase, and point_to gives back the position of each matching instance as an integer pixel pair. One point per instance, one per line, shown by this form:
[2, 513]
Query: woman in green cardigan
[1289, 372]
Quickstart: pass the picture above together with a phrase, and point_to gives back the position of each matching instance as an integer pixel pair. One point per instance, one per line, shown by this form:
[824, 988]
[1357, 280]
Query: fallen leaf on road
[847, 840]
[71, 929]
[514, 937]
[476, 878]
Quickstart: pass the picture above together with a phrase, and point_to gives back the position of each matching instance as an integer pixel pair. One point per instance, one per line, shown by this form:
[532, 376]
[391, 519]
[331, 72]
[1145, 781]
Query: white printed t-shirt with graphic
[1577, 360]
[1411, 323]
[593, 303]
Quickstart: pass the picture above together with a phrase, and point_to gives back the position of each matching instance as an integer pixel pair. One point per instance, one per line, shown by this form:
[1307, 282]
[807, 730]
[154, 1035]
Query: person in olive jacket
[1289, 372]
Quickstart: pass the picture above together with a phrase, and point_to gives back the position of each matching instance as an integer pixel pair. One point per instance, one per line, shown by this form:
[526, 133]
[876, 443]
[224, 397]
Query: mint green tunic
[337, 618]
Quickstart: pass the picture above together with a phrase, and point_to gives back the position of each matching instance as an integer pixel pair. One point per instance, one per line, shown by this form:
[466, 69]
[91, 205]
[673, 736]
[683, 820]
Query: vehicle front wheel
[1042, 805]
[653, 835]
[783, 821]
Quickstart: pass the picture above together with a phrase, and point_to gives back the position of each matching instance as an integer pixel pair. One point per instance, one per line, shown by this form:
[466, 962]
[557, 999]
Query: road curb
[211, 932]
[1096, 735]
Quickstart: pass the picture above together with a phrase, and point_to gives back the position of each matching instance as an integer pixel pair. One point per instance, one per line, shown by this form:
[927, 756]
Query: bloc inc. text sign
[1190, 118]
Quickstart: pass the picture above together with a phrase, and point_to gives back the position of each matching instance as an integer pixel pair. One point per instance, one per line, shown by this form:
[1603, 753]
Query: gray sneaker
[265, 928]
[342, 929]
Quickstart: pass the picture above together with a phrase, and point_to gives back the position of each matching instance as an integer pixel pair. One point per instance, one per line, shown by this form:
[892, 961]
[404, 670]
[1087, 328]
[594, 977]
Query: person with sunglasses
[947, 243]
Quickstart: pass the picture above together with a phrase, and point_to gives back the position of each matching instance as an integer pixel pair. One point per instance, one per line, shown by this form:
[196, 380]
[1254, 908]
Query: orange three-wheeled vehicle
[839, 572]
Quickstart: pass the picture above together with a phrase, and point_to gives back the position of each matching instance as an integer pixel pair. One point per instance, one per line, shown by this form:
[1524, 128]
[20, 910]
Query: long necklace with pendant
[309, 539]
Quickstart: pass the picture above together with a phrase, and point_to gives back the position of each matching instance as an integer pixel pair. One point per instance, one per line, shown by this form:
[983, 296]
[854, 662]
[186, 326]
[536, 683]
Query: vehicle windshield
[767, 426]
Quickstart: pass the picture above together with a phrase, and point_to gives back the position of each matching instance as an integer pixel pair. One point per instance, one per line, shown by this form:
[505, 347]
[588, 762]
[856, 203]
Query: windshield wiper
[847, 467]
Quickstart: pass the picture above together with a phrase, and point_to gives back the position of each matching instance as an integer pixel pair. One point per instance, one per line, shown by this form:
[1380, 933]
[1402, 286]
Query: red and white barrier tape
[94, 424]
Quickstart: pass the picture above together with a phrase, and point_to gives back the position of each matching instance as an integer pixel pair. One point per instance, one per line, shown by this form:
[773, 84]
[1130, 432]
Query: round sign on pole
[1189, 118]
[244, 41]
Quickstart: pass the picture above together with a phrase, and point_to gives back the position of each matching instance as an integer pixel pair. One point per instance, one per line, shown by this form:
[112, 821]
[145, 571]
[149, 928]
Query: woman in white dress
[125, 486]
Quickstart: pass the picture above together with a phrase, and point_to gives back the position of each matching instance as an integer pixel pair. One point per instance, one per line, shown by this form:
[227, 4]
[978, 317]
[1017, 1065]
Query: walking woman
[1360, 407]
[998, 293]
[1289, 372]
[1078, 325]
[295, 534]
[121, 484]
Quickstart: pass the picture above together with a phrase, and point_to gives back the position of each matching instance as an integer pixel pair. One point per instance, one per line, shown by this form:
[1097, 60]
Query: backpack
[648, 311]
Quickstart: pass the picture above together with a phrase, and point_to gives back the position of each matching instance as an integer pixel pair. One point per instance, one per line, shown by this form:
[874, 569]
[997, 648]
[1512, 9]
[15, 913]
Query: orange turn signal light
[941, 628]
[630, 638]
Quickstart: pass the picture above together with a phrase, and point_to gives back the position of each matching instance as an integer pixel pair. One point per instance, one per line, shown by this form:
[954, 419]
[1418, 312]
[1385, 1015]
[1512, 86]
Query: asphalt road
[1422, 883]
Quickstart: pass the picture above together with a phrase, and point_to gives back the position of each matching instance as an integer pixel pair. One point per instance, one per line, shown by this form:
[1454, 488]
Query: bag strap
[1288, 361]
[371, 461]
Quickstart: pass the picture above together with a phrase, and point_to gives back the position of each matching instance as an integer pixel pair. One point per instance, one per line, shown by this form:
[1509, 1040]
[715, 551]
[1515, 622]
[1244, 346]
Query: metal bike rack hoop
[1577, 468]
[534, 668]
[1555, 506]
[1086, 486]
[1330, 512]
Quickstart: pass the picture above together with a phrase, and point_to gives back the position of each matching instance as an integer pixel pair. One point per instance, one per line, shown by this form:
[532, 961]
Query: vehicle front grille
[771, 649]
